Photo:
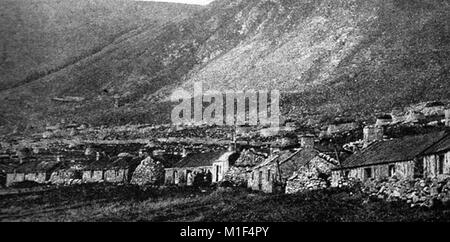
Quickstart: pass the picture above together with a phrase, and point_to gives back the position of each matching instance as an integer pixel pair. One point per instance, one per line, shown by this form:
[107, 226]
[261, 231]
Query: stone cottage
[222, 165]
[95, 170]
[436, 159]
[121, 169]
[67, 173]
[273, 174]
[314, 174]
[32, 170]
[193, 168]
[392, 157]
[240, 172]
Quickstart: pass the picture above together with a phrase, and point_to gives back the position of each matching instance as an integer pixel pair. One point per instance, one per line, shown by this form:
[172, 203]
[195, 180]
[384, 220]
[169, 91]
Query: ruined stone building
[121, 169]
[150, 171]
[313, 174]
[273, 173]
[240, 172]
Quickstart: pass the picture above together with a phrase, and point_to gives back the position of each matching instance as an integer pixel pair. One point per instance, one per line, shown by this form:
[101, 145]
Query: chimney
[184, 153]
[371, 134]
[447, 117]
[307, 141]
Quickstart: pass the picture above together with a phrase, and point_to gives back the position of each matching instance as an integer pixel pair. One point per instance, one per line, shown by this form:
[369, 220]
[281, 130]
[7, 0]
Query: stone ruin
[149, 172]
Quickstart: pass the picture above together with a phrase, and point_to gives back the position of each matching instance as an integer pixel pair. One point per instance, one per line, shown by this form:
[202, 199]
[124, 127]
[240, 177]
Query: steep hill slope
[40, 36]
[329, 57]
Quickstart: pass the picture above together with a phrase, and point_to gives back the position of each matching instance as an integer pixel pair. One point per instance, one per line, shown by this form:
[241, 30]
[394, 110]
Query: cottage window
[346, 174]
[391, 169]
[368, 173]
[268, 175]
[253, 175]
[441, 164]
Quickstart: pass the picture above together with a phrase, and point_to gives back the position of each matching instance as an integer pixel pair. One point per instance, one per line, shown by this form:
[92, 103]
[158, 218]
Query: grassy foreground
[100, 202]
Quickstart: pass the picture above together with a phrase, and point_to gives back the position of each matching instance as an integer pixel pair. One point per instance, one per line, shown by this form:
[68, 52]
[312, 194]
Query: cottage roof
[37, 166]
[199, 159]
[394, 150]
[124, 162]
[301, 156]
[100, 164]
[168, 160]
[442, 145]
[7, 167]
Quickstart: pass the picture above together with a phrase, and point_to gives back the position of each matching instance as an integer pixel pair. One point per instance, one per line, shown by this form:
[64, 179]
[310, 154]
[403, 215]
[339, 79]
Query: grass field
[100, 202]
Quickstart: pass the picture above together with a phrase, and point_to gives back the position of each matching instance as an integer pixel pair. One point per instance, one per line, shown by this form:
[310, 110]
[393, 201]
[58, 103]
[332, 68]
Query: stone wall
[431, 165]
[12, 178]
[39, 177]
[65, 177]
[264, 179]
[400, 169]
[93, 176]
[117, 176]
[181, 175]
[239, 176]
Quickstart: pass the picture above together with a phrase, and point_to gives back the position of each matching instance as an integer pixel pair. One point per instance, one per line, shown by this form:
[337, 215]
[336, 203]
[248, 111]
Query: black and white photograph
[225, 111]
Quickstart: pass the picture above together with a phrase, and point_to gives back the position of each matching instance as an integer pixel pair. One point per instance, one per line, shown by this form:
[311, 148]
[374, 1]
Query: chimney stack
[371, 134]
[307, 141]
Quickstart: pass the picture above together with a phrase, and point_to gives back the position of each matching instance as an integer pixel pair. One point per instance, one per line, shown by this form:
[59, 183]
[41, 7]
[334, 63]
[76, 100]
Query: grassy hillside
[329, 57]
[41, 36]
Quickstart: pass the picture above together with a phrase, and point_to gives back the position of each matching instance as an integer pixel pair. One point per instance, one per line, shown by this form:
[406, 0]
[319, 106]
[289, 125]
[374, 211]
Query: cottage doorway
[217, 173]
[260, 180]
[175, 177]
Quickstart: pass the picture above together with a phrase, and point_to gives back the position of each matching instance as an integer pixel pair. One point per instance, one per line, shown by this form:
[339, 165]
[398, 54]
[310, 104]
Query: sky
[201, 2]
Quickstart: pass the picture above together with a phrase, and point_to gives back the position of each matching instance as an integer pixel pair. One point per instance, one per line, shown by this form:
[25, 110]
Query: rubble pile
[349, 182]
[306, 180]
[416, 192]
[297, 185]
[237, 175]
[149, 171]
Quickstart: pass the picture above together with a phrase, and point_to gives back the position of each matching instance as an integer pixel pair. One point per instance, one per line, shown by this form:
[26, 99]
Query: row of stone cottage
[281, 170]
[202, 168]
[308, 167]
